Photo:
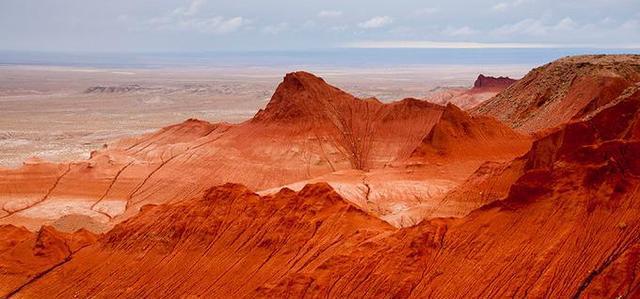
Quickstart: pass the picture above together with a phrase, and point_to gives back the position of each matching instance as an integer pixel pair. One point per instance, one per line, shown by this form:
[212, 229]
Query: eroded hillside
[356, 198]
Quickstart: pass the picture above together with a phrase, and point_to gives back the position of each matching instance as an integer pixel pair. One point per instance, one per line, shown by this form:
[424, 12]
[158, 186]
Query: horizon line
[425, 44]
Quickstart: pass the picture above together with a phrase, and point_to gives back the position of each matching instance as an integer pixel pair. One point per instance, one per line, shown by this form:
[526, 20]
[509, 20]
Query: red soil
[26, 257]
[569, 227]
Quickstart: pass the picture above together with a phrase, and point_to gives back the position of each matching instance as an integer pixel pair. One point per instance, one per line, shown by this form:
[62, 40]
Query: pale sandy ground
[45, 112]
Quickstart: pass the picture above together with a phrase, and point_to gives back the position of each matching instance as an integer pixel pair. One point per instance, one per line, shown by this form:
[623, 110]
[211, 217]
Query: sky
[248, 25]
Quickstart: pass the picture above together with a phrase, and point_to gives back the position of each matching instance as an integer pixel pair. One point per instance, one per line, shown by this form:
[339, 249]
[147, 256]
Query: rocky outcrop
[115, 89]
[489, 82]
[484, 88]
[564, 90]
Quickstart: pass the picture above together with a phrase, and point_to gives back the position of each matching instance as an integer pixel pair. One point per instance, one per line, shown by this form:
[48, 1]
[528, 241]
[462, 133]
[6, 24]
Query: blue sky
[206, 25]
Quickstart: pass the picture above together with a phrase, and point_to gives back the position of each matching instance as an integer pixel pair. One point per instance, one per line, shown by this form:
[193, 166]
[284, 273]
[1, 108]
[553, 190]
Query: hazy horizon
[339, 57]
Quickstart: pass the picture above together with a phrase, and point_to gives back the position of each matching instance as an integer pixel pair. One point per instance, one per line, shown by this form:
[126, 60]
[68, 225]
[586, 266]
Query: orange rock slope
[563, 90]
[569, 227]
[557, 218]
[223, 244]
[309, 129]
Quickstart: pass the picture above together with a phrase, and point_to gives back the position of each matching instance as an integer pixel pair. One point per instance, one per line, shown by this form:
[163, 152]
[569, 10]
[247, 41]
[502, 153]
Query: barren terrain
[530, 190]
[63, 113]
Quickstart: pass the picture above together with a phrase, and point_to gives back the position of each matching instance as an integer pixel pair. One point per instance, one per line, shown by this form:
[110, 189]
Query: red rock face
[583, 198]
[457, 135]
[26, 257]
[563, 90]
[202, 246]
[557, 218]
[489, 82]
[483, 89]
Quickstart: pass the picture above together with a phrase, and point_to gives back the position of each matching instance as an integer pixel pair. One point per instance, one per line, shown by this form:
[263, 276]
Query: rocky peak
[493, 82]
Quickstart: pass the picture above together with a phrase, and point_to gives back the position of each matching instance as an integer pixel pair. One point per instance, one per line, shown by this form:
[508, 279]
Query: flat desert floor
[63, 113]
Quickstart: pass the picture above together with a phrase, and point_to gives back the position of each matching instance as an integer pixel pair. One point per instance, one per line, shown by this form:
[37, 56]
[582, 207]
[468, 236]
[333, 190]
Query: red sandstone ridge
[577, 193]
[457, 135]
[484, 88]
[27, 256]
[566, 89]
[226, 243]
[488, 82]
[302, 95]
[307, 130]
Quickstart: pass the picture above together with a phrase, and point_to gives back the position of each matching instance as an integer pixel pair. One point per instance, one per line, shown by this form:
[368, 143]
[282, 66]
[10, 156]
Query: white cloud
[187, 18]
[194, 8]
[211, 25]
[419, 44]
[630, 25]
[565, 24]
[275, 29]
[465, 30]
[534, 27]
[376, 22]
[504, 6]
[329, 14]
[214, 25]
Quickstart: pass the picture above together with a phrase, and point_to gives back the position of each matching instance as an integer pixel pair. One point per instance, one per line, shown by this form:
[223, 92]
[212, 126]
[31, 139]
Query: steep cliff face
[484, 88]
[563, 90]
[489, 82]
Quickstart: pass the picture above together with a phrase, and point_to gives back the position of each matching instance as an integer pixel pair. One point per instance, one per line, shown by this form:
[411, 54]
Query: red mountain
[564, 90]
